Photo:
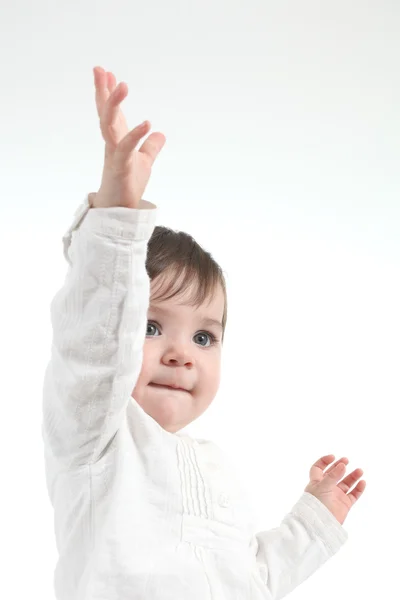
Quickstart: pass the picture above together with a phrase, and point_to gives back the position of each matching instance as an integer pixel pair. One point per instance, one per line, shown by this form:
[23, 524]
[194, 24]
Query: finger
[355, 494]
[112, 127]
[111, 82]
[343, 460]
[316, 470]
[324, 461]
[350, 480]
[153, 145]
[130, 141]
[336, 473]
[102, 92]
[330, 481]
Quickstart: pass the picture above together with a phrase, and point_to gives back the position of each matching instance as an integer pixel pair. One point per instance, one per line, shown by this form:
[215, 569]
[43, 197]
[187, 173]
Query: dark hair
[177, 254]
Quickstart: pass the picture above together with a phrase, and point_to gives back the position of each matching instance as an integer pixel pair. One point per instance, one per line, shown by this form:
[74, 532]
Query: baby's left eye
[205, 334]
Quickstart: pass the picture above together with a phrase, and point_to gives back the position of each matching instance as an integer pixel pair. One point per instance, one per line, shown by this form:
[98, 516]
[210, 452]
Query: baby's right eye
[151, 324]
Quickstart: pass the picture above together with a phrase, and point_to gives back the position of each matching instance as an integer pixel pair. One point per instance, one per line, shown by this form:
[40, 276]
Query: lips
[168, 387]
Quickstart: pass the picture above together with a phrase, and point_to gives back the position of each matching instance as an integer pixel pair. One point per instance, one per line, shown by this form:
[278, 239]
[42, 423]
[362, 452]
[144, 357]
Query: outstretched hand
[333, 491]
[126, 170]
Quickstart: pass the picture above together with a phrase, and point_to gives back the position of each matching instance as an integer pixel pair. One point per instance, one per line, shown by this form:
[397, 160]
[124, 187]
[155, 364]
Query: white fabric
[140, 513]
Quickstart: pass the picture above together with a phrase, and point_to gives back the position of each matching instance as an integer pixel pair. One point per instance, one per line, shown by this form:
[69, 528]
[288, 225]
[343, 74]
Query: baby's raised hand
[126, 172]
[331, 489]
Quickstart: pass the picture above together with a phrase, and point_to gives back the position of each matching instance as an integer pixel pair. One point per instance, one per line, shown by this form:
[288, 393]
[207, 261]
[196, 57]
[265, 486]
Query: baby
[143, 511]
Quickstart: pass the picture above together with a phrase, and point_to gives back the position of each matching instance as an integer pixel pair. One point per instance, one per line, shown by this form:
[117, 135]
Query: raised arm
[99, 315]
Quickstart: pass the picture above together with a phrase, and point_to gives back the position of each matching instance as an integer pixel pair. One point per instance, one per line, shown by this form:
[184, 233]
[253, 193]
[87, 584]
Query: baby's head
[185, 330]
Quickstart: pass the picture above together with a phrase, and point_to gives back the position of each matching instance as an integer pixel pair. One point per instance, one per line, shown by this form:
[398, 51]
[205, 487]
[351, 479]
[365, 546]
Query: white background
[282, 159]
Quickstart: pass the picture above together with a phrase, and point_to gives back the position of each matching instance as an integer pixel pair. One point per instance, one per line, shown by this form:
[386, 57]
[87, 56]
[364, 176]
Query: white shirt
[141, 513]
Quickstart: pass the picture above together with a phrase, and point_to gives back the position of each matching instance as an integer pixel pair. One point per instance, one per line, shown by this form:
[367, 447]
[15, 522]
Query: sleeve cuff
[125, 223]
[318, 517]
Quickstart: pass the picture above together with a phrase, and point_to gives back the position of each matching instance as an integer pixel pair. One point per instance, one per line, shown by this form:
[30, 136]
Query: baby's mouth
[167, 387]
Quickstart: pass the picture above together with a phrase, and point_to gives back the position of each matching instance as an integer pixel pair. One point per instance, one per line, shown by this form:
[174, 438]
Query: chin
[170, 425]
[169, 414]
[170, 411]
[173, 428]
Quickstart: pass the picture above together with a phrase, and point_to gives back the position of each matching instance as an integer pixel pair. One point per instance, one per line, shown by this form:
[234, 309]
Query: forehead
[184, 300]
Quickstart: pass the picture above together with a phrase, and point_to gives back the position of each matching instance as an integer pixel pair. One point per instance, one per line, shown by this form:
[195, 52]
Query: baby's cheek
[148, 361]
[213, 380]
[144, 375]
[216, 382]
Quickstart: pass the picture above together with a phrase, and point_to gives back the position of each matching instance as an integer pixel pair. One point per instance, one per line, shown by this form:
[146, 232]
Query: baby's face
[179, 351]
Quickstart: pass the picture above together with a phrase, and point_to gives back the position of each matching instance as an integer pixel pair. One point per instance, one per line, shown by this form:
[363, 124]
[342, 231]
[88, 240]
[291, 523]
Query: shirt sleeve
[98, 320]
[307, 537]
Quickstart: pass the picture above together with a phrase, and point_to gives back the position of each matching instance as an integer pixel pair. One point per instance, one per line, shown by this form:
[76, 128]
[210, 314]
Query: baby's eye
[150, 324]
[201, 335]
[210, 335]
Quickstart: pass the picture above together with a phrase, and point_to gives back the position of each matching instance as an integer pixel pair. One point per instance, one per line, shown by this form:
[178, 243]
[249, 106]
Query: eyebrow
[204, 320]
[208, 321]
